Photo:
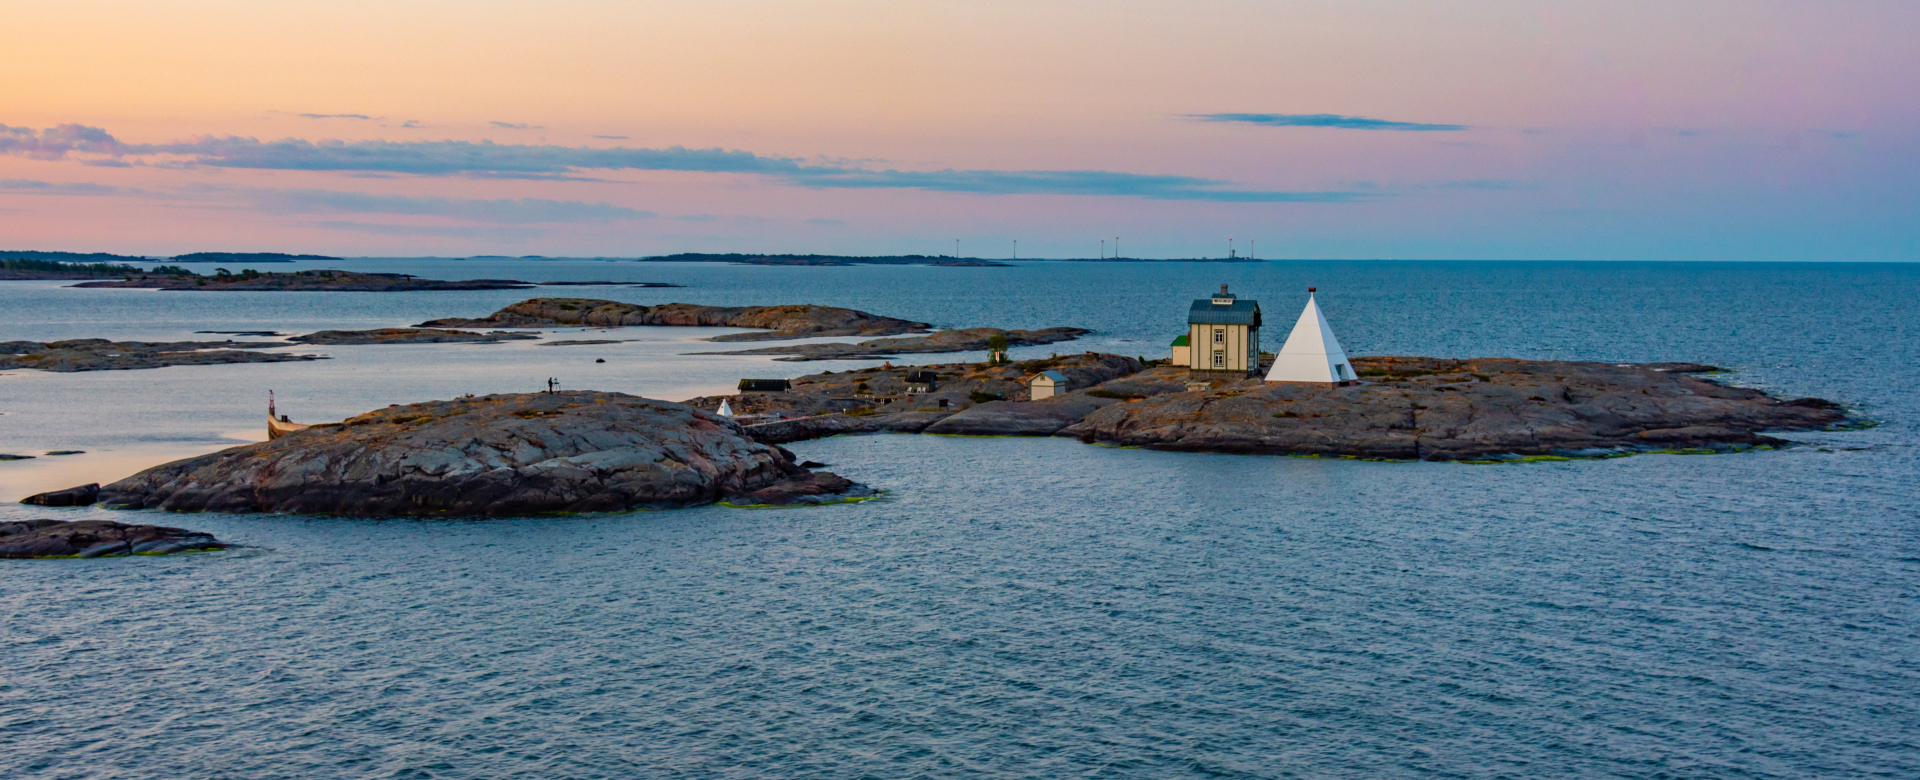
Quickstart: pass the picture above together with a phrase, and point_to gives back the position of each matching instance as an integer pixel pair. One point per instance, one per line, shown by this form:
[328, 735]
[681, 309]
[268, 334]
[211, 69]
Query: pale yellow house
[1183, 350]
[1047, 384]
[1223, 334]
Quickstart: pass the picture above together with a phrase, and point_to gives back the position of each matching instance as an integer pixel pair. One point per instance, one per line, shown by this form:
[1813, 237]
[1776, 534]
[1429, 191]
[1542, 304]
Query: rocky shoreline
[408, 336]
[103, 355]
[586, 451]
[97, 539]
[1404, 408]
[496, 455]
[775, 322]
[952, 340]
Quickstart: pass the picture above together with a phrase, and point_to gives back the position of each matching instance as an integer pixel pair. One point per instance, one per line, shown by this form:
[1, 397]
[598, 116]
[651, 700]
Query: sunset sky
[1622, 129]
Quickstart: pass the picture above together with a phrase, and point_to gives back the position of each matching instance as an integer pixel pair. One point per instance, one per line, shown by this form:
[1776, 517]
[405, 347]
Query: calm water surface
[1012, 608]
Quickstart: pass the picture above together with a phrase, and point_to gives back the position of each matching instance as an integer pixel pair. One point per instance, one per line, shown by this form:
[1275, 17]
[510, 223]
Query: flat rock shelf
[773, 322]
[409, 336]
[1404, 408]
[97, 539]
[103, 355]
[952, 340]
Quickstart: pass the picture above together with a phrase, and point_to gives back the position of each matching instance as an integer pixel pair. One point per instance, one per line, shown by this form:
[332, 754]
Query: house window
[1341, 371]
[1219, 337]
[1219, 359]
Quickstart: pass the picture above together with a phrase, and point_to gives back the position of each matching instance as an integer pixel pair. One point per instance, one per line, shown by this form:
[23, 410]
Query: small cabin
[921, 382]
[1183, 350]
[1047, 384]
[765, 385]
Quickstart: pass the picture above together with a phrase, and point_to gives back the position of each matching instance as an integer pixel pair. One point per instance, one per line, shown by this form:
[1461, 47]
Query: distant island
[929, 260]
[168, 277]
[191, 257]
[31, 268]
[742, 259]
[173, 277]
[71, 257]
[771, 323]
[244, 257]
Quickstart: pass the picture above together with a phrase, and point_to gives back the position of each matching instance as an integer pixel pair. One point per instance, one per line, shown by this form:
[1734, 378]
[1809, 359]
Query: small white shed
[1047, 384]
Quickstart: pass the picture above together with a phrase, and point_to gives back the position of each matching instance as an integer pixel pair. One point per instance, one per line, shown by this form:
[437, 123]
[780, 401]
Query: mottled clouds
[1321, 120]
[57, 142]
[1057, 183]
[81, 189]
[311, 201]
[490, 160]
[509, 211]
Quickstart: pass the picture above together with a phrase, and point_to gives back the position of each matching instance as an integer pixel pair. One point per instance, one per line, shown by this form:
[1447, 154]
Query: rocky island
[408, 336]
[776, 322]
[1403, 408]
[97, 539]
[494, 455]
[952, 340]
[249, 280]
[103, 355]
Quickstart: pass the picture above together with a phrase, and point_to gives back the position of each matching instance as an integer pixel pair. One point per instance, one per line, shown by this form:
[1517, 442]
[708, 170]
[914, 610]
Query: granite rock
[409, 336]
[83, 495]
[775, 322]
[951, 340]
[493, 455]
[103, 355]
[96, 538]
[1434, 409]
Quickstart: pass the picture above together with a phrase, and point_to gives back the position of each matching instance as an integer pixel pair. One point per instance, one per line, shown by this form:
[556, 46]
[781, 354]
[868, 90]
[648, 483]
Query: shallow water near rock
[1010, 607]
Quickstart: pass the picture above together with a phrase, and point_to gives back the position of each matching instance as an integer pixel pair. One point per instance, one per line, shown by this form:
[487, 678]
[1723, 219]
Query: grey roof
[1241, 312]
[765, 385]
[1055, 376]
[921, 376]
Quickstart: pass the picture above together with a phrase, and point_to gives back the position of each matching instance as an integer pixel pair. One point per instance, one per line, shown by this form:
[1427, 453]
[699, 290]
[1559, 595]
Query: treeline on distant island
[191, 257]
[244, 257]
[71, 257]
[122, 269]
[56, 266]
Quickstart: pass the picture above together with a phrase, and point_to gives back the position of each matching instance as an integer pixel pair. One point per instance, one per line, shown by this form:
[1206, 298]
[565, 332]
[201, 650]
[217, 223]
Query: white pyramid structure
[726, 410]
[1311, 353]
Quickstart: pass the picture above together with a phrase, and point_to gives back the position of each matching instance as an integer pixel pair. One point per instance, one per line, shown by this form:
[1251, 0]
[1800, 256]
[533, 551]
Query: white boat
[279, 425]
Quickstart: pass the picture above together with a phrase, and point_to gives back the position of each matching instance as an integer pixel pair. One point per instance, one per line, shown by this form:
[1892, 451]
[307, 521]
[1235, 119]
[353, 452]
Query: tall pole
[1103, 249]
[1116, 247]
[1016, 249]
[1229, 248]
[956, 249]
[1250, 253]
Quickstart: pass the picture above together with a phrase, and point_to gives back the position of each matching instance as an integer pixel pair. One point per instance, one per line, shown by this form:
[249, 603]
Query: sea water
[1011, 607]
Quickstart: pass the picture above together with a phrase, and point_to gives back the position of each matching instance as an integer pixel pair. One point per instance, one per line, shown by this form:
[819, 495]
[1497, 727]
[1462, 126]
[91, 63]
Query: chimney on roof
[1223, 289]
